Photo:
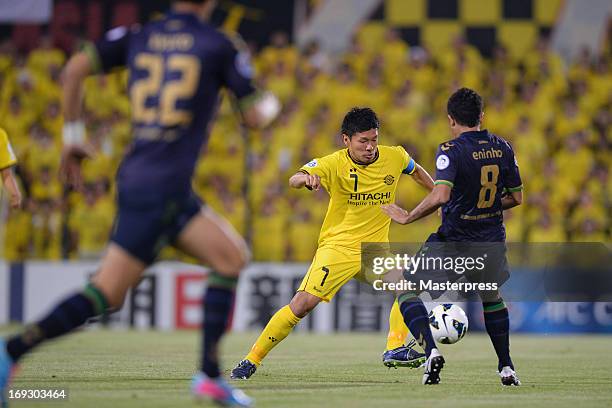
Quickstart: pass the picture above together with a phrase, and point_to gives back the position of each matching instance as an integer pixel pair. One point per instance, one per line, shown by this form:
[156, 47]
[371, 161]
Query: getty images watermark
[452, 266]
[462, 271]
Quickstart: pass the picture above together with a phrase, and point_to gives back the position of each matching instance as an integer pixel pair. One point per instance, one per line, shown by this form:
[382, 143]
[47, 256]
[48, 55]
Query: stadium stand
[558, 119]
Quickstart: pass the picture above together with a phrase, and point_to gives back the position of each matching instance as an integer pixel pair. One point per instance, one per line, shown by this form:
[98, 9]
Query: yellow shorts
[331, 268]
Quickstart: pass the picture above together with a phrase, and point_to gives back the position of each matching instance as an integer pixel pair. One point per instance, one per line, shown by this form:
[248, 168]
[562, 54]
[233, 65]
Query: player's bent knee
[230, 267]
[227, 255]
[231, 262]
[241, 259]
[119, 272]
[303, 303]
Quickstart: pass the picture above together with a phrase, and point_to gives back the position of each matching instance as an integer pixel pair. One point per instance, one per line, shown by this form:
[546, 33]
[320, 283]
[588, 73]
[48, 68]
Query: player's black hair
[465, 107]
[359, 120]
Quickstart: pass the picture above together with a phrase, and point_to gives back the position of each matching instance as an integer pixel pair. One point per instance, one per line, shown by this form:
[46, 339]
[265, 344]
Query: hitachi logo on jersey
[488, 154]
[370, 196]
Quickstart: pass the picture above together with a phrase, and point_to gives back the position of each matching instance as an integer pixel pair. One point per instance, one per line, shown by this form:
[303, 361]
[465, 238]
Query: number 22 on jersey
[165, 111]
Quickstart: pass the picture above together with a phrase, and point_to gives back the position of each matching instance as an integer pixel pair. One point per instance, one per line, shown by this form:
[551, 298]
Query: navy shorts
[491, 255]
[147, 222]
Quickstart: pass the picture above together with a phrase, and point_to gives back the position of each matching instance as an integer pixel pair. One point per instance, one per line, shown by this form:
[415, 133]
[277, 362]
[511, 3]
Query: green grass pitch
[152, 369]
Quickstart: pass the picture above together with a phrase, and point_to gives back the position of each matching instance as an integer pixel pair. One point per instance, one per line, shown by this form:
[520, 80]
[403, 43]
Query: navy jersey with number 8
[479, 167]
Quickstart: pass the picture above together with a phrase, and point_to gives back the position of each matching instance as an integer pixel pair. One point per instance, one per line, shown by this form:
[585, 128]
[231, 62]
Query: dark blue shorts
[490, 255]
[148, 221]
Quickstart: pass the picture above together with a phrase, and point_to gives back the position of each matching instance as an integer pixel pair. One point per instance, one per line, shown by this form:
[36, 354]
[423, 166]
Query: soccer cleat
[433, 366]
[7, 369]
[243, 371]
[219, 391]
[403, 356]
[509, 377]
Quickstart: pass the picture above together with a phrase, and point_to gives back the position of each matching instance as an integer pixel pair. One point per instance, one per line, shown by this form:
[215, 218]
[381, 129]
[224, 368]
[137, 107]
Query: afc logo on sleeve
[312, 163]
[442, 162]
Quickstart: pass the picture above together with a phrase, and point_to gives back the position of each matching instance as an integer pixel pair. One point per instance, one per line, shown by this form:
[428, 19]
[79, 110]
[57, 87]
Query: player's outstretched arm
[422, 177]
[310, 181]
[512, 200]
[75, 149]
[258, 108]
[436, 198]
[8, 179]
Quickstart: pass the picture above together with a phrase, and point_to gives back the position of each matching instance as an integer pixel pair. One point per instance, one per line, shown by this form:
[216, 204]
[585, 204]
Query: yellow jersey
[356, 193]
[7, 156]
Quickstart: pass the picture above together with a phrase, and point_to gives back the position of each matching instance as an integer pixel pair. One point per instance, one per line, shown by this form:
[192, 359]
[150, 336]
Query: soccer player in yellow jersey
[359, 179]
[7, 162]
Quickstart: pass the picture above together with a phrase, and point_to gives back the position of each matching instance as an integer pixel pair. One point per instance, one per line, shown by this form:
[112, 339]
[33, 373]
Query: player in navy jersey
[177, 66]
[477, 178]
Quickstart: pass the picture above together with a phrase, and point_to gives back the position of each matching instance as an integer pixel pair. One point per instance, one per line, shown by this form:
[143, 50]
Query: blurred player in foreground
[358, 179]
[177, 65]
[477, 178]
[7, 162]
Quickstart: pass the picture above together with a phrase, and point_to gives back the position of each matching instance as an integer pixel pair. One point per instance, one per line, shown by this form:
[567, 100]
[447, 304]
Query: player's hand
[396, 213]
[313, 182]
[70, 166]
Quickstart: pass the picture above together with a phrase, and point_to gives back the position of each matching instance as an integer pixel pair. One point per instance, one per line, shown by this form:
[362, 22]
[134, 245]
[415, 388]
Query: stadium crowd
[557, 118]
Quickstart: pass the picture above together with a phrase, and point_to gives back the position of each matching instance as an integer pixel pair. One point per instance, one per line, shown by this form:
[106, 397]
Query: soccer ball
[448, 323]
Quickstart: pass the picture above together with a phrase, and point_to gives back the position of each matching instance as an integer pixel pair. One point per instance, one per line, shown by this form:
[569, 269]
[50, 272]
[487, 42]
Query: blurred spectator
[18, 233]
[316, 57]
[46, 230]
[90, 223]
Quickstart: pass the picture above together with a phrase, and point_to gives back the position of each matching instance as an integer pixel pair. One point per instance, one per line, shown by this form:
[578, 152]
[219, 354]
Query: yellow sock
[398, 331]
[279, 327]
